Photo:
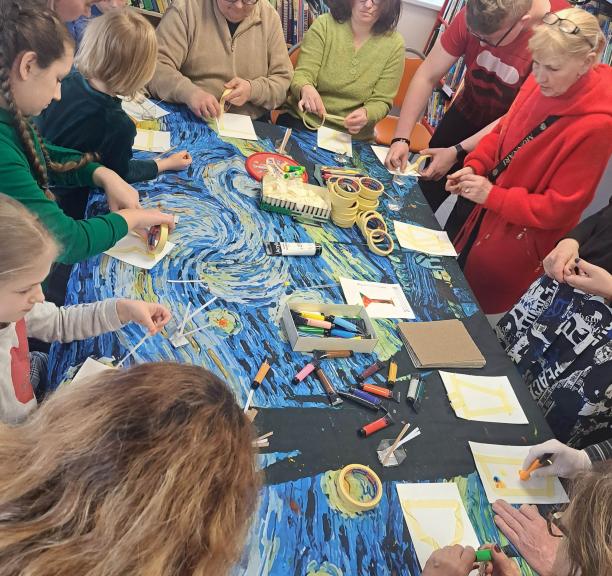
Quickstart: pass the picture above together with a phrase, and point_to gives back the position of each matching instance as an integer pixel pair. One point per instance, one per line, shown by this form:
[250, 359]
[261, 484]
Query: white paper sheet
[380, 300]
[132, 249]
[499, 466]
[143, 109]
[483, 398]
[152, 140]
[381, 154]
[236, 126]
[89, 369]
[334, 141]
[419, 239]
[436, 517]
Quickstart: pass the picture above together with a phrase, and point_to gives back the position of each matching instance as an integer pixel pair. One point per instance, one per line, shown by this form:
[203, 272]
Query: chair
[385, 129]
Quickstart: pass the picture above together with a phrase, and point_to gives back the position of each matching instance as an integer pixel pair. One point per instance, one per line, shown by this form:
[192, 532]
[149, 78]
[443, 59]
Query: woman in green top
[36, 52]
[350, 65]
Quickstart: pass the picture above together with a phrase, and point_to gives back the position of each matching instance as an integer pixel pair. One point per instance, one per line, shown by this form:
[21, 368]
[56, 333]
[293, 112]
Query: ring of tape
[161, 242]
[344, 486]
[377, 237]
[370, 188]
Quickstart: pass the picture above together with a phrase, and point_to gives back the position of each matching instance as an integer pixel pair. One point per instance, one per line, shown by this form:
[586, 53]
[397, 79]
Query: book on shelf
[296, 17]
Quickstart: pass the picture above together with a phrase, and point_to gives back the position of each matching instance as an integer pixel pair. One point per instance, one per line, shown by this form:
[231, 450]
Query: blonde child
[36, 52]
[116, 57]
[27, 251]
[142, 472]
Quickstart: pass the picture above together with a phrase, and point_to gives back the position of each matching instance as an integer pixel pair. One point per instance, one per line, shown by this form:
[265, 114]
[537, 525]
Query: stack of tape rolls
[344, 197]
[374, 229]
[369, 191]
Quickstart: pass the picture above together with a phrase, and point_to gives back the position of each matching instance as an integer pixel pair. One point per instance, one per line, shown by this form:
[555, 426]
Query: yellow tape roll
[161, 241]
[359, 488]
[370, 188]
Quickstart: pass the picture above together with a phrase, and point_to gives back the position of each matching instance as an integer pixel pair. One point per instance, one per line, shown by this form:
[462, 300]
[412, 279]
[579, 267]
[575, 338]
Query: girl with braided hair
[36, 52]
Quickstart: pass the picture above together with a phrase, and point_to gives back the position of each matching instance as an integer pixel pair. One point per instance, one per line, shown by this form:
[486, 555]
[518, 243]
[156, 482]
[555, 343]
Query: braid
[23, 129]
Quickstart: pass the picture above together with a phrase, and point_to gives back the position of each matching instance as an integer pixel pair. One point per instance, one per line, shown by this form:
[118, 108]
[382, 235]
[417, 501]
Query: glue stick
[292, 248]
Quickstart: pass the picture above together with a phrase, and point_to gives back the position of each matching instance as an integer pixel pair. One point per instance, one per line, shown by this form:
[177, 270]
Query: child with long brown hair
[27, 251]
[116, 57]
[36, 53]
[142, 472]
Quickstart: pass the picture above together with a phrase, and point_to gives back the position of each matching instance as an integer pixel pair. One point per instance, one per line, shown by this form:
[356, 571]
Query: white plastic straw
[133, 350]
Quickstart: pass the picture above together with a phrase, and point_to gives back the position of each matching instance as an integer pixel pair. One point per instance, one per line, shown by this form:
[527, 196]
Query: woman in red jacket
[532, 177]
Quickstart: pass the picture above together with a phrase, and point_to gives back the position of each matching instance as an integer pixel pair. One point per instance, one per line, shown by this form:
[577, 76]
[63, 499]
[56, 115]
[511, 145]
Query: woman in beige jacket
[207, 46]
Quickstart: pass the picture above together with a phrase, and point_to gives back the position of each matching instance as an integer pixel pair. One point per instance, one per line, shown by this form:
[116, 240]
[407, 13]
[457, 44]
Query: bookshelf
[602, 9]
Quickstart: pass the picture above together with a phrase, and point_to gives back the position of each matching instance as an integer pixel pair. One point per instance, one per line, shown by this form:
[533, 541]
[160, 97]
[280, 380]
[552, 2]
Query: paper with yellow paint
[132, 249]
[143, 109]
[436, 517]
[381, 154]
[334, 141]
[151, 140]
[483, 398]
[498, 467]
[236, 126]
[419, 239]
[89, 369]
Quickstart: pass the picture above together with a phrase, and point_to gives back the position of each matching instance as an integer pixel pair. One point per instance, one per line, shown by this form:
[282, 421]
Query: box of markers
[345, 327]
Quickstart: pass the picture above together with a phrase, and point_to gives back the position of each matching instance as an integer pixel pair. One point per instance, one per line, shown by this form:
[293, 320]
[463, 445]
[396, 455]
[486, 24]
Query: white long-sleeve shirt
[48, 323]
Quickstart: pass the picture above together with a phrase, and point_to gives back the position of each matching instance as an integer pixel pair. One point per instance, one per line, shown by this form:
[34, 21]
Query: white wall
[417, 20]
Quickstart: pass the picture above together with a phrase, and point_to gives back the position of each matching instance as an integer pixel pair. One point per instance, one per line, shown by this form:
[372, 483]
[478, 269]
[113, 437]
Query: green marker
[484, 555]
[311, 330]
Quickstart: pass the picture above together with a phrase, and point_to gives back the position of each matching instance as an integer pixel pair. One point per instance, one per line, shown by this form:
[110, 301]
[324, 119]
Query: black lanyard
[494, 175]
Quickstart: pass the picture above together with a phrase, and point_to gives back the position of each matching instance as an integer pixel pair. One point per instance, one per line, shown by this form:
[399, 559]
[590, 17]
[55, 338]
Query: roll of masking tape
[377, 237]
[157, 238]
[359, 488]
[346, 187]
[370, 188]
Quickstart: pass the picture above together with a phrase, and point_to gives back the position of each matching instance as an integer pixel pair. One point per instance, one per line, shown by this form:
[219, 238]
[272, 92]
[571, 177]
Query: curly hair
[148, 472]
[388, 13]
[27, 26]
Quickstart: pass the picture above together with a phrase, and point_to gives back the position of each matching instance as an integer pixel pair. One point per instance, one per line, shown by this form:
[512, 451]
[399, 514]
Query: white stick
[395, 443]
[185, 334]
[205, 305]
[133, 350]
[184, 321]
[416, 432]
[286, 137]
[264, 436]
[248, 402]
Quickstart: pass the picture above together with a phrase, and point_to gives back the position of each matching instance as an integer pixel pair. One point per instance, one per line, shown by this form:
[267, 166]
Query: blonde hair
[21, 233]
[487, 16]
[550, 40]
[148, 472]
[589, 522]
[119, 48]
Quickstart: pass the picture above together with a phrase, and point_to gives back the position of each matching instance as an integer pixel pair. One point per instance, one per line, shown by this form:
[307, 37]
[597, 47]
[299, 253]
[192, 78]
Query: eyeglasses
[374, 2]
[245, 2]
[565, 25]
[496, 44]
[553, 518]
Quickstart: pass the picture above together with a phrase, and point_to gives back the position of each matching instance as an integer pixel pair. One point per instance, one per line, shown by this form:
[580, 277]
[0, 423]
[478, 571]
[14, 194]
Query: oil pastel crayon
[311, 330]
[375, 426]
[415, 392]
[392, 376]
[378, 365]
[365, 396]
[344, 324]
[542, 461]
[380, 391]
[486, 555]
[336, 354]
[310, 322]
[332, 395]
[304, 372]
[312, 315]
[339, 333]
[358, 400]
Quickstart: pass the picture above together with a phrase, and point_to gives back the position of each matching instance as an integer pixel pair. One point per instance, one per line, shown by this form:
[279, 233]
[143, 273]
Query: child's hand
[148, 314]
[177, 161]
[119, 194]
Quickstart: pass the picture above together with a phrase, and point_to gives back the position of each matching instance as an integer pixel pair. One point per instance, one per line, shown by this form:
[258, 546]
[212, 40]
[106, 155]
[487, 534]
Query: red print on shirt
[20, 365]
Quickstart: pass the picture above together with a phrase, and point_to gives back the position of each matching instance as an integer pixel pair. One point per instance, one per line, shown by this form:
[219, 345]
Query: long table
[220, 243]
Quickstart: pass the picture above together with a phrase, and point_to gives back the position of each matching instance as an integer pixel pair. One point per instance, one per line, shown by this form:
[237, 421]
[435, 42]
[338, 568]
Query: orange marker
[544, 460]
[259, 378]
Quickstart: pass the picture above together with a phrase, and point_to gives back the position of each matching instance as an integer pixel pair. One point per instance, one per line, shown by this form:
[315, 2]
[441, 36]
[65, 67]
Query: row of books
[450, 9]
[159, 6]
[296, 16]
[603, 10]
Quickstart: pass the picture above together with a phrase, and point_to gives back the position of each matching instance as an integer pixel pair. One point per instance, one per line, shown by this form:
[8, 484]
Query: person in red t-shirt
[492, 37]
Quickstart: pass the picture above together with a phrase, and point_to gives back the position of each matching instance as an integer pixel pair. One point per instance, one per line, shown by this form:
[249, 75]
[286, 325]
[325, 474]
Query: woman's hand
[142, 219]
[148, 314]
[311, 101]
[119, 194]
[475, 188]
[561, 261]
[591, 279]
[177, 161]
[397, 157]
[240, 91]
[501, 564]
[356, 120]
[442, 160]
[450, 561]
[566, 462]
[203, 104]
[453, 180]
[528, 532]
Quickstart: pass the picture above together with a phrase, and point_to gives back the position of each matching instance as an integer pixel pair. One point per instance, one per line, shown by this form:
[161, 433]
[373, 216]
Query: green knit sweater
[78, 239]
[347, 78]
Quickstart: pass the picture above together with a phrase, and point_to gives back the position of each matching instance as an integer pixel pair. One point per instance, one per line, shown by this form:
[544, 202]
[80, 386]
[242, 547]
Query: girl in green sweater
[36, 52]
[350, 65]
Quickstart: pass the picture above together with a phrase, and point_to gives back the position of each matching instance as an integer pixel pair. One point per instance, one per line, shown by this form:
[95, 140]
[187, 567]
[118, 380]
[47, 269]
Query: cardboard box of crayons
[301, 343]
